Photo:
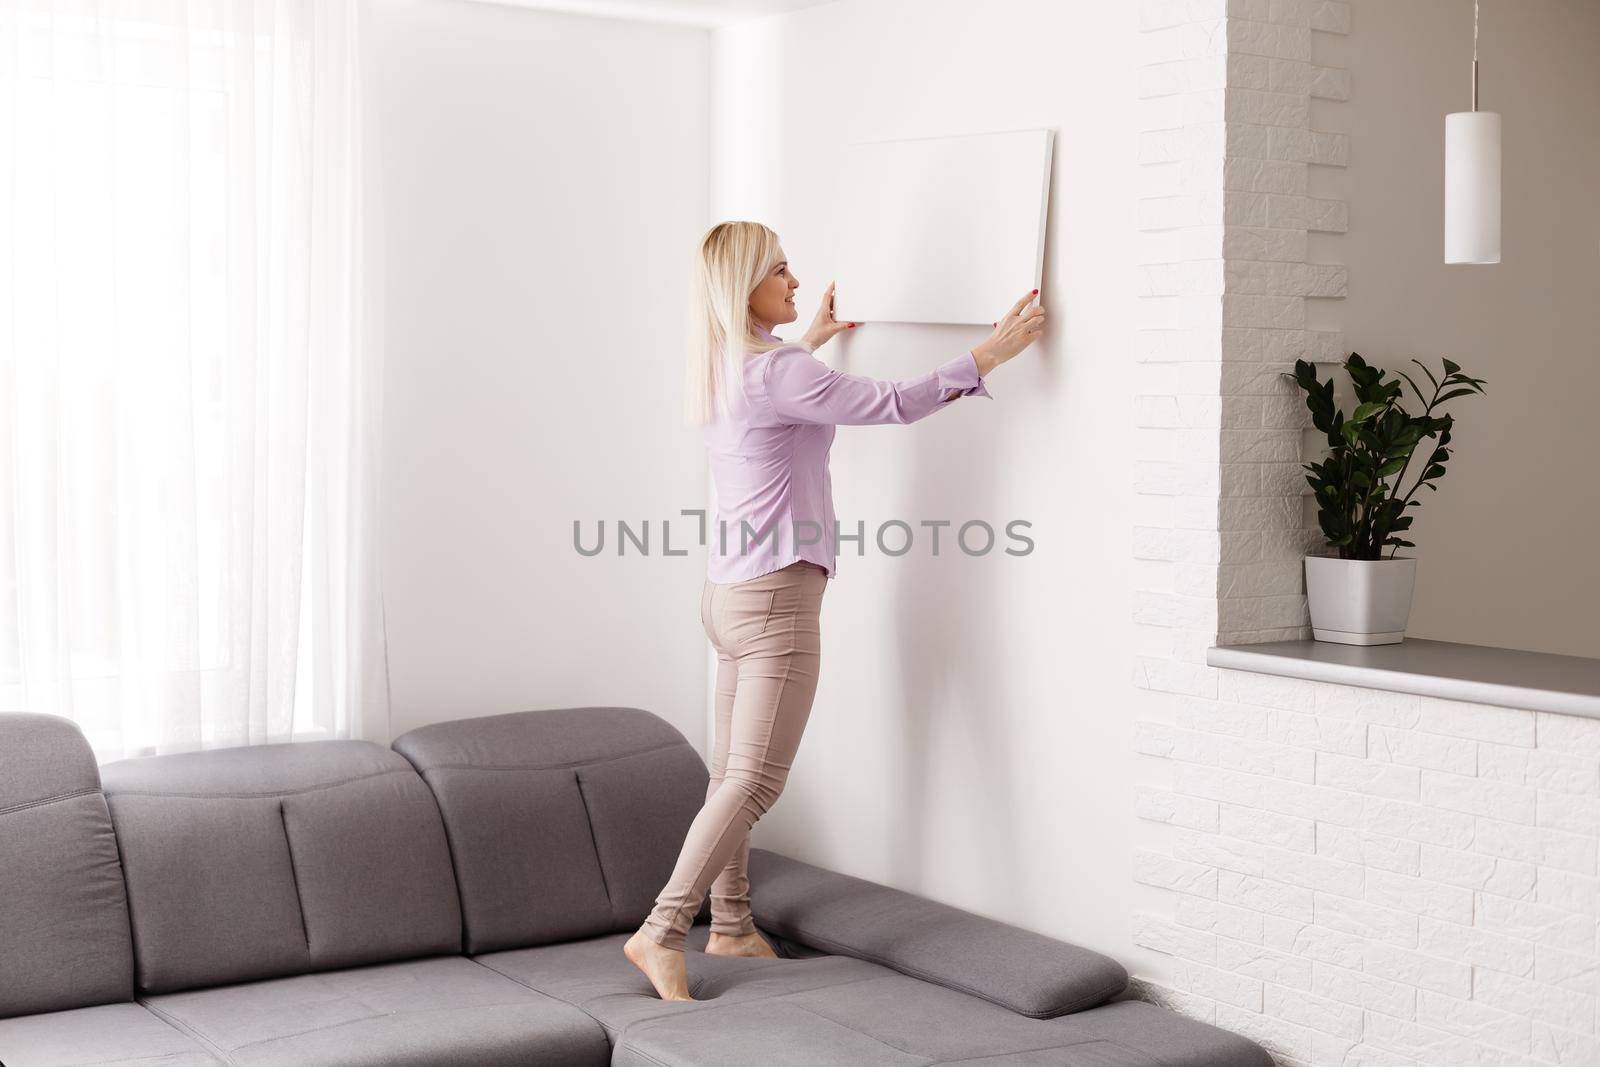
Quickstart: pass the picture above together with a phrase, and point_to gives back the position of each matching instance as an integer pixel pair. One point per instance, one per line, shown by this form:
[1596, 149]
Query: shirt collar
[760, 332]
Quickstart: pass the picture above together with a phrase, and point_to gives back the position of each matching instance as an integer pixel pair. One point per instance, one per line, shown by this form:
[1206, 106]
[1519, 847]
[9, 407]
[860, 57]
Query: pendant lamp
[1472, 177]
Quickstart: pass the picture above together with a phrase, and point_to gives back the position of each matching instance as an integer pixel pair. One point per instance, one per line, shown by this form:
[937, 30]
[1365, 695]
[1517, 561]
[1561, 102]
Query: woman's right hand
[1019, 328]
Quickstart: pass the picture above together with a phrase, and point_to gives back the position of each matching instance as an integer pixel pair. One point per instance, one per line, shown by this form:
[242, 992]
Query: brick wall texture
[1351, 876]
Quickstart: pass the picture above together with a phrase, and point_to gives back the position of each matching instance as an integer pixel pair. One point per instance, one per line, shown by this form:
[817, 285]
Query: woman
[769, 409]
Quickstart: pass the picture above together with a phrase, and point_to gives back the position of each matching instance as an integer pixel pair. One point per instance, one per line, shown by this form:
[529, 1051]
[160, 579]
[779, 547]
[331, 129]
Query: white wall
[545, 178]
[971, 738]
[547, 175]
[1505, 547]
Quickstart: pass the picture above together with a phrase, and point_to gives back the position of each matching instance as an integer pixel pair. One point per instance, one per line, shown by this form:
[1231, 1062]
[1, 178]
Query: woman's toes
[663, 966]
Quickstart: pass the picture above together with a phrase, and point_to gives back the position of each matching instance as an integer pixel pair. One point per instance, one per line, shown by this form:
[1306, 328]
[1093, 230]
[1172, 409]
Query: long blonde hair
[729, 262]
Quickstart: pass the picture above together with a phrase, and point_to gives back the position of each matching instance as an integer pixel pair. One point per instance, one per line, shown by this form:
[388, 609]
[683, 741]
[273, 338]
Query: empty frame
[941, 229]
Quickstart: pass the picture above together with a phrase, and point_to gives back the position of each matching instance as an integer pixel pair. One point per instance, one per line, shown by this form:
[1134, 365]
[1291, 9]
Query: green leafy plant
[1359, 510]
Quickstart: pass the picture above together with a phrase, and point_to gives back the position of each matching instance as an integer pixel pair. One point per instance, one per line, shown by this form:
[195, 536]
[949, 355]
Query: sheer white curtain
[189, 373]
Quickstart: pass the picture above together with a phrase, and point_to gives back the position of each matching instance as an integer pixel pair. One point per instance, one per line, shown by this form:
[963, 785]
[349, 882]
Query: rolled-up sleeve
[803, 389]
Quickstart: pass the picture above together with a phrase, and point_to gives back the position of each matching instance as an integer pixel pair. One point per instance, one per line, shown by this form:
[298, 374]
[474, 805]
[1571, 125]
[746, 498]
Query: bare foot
[663, 966]
[752, 944]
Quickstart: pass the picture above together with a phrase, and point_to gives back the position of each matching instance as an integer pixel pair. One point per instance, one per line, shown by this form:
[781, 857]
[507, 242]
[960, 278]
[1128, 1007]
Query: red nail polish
[1036, 292]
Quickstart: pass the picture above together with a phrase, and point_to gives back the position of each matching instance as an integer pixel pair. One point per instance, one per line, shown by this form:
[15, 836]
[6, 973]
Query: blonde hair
[729, 262]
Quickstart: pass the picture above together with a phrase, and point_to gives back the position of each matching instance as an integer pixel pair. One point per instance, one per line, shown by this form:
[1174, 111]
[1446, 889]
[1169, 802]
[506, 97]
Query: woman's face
[772, 301]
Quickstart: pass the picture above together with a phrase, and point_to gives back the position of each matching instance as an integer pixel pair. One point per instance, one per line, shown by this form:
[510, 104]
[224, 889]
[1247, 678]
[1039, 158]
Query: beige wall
[1506, 546]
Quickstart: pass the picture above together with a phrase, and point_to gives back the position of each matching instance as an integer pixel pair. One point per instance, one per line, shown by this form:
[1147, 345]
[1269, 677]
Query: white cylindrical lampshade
[1472, 187]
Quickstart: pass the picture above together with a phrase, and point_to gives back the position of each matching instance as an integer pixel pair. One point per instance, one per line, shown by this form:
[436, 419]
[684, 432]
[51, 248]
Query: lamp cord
[1474, 55]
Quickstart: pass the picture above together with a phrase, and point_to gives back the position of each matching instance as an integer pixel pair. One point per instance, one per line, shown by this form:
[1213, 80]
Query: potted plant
[1361, 597]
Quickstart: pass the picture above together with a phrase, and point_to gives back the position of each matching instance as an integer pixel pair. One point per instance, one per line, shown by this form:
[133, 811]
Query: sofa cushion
[563, 823]
[594, 975]
[110, 1033]
[895, 1019]
[426, 1013]
[64, 939]
[771, 1033]
[254, 862]
[1029, 973]
[1167, 1037]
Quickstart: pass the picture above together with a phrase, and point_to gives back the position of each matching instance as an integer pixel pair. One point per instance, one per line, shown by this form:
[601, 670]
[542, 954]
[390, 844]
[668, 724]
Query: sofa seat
[593, 975]
[894, 1019]
[434, 1012]
[110, 1033]
[840, 1010]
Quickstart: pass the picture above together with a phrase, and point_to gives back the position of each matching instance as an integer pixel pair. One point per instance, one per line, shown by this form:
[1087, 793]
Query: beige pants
[768, 647]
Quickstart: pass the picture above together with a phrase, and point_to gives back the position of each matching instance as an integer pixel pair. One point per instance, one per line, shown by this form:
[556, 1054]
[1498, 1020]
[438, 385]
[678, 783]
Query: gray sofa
[463, 899]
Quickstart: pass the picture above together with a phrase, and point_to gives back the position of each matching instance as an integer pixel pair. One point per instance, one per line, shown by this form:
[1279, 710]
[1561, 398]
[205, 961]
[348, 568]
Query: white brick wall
[1350, 876]
[1226, 149]
[1268, 150]
[1178, 410]
[1358, 876]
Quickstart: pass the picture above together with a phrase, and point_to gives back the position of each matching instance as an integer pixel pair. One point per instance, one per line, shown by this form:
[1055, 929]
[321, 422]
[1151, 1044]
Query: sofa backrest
[270, 860]
[563, 823]
[63, 915]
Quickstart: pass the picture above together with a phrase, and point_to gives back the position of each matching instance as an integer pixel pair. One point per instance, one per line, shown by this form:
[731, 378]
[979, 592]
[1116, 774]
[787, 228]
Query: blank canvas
[941, 229]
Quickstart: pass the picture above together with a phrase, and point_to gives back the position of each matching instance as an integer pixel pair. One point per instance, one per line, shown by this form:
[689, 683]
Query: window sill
[1481, 674]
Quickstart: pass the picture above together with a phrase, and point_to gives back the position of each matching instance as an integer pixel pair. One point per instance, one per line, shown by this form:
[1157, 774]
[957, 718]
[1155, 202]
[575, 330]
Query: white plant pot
[1360, 601]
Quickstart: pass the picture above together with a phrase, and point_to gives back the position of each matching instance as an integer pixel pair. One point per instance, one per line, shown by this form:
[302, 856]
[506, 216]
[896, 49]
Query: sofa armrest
[1029, 973]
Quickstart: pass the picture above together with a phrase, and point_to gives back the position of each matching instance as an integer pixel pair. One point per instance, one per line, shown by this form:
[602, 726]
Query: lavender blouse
[769, 461]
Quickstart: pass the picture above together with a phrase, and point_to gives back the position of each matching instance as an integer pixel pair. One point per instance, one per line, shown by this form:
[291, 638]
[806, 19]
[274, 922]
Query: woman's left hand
[823, 327]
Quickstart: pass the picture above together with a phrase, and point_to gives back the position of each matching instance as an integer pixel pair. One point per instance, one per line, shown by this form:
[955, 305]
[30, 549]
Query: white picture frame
[941, 229]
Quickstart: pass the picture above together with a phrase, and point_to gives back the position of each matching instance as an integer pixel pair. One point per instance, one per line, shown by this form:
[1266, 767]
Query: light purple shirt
[769, 461]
